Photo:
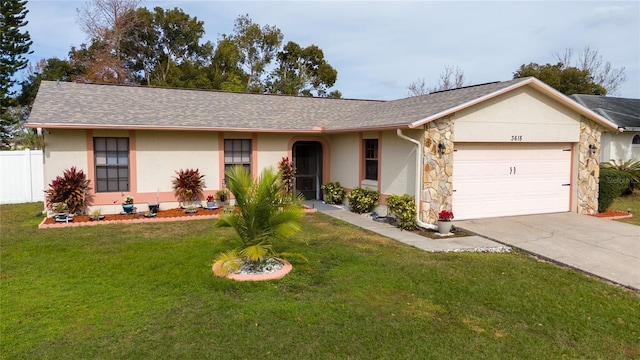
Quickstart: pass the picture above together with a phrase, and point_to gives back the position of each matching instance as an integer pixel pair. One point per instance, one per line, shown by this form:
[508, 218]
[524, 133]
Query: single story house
[497, 149]
[625, 113]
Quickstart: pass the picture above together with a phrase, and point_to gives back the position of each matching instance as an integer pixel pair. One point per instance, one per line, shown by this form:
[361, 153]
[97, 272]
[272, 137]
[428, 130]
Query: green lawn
[145, 291]
[629, 202]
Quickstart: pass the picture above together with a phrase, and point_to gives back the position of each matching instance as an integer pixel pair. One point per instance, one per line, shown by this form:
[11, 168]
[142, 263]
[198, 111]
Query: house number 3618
[516, 137]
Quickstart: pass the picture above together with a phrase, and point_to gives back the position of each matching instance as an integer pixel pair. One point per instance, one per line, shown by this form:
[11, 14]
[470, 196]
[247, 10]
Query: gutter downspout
[418, 182]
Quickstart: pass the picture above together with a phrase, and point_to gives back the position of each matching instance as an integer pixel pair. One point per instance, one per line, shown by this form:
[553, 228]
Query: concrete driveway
[604, 248]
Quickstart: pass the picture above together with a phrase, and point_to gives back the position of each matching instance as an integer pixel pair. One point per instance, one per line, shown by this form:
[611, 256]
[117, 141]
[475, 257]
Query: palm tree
[266, 213]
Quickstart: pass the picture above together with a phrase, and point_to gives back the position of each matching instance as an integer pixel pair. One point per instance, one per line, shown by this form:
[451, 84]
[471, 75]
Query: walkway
[445, 244]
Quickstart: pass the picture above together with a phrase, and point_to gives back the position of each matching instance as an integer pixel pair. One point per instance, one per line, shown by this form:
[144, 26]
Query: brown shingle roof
[77, 105]
[85, 105]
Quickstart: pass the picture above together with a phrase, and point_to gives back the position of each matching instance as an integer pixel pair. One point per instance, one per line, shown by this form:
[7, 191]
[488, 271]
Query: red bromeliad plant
[71, 189]
[188, 185]
[445, 215]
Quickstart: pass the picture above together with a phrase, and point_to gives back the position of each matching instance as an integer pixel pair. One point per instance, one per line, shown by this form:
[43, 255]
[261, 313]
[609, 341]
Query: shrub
[362, 200]
[287, 175]
[71, 189]
[404, 210]
[631, 168]
[612, 184]
[188, 185]
[333, 192]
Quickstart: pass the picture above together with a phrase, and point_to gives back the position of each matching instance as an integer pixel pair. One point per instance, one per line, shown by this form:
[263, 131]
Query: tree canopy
[601, 72]
[590, 74]
[566, 79]
[129, 44]
[166, 48]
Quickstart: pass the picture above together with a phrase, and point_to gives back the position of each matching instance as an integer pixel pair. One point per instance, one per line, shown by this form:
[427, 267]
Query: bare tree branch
[602, 72]
[417, 88]
[105, 21]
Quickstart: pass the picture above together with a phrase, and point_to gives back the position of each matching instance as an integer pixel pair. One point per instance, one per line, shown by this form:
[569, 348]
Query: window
[371, 159]
[635, 141]
[112, 164]
[237, 152]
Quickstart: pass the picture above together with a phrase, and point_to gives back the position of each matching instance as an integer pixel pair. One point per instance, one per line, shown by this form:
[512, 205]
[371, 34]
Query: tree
[98, 64]
[265, 215]
[106, 22]
[225, 67]
[567, 80]
[14, 44]
[178, 37]
[418, 87]
[601, 72]
[450, 78]
[164, 48]
[162, 43]
[257, 46]
[301, 71]
[141, 45]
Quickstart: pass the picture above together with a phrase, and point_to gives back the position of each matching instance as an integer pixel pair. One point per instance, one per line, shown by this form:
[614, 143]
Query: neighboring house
[498, 149]
[623, 112]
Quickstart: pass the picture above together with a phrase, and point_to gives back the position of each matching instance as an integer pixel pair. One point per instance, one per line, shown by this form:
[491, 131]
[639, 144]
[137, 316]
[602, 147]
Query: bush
[70, 189]
[333, 192]
[362, 200]
[629, 167]
[188, 185]
[404, 210]
[612, 184]
[287, 174]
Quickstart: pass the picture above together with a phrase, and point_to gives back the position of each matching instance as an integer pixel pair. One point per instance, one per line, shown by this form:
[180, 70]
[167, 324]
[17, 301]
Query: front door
[307, 159]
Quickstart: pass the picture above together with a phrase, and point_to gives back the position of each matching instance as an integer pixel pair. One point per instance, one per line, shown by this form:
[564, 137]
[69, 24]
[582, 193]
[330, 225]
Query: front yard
[141, 291]
[626, 203]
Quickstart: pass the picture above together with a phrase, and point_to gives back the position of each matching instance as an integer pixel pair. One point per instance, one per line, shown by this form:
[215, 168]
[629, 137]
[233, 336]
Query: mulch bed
[613, 214]
[176, 214]
[162, 214]
[433, 235]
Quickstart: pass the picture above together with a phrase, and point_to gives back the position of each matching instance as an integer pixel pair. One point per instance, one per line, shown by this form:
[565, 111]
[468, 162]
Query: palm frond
[256, 253]
[230, 261]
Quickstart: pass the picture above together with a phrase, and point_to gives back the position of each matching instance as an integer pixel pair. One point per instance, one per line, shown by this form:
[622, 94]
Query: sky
[380, 47]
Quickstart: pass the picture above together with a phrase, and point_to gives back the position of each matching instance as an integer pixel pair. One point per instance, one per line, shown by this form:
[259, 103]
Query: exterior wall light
[592, 149]
[441, 148]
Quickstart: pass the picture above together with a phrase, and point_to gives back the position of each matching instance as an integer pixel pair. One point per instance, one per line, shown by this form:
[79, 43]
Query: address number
[516, 137]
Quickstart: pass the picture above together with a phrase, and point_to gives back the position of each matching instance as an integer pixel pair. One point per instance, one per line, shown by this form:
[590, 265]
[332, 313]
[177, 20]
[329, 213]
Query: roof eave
[314, 130]
[367, 128]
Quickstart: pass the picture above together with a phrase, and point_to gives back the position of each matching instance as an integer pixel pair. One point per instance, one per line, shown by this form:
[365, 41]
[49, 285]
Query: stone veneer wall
[438, 169]
[588, 167]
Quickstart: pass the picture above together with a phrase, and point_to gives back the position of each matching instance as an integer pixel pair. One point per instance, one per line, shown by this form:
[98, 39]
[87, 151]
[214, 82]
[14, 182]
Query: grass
[629, 202]
[143, 291]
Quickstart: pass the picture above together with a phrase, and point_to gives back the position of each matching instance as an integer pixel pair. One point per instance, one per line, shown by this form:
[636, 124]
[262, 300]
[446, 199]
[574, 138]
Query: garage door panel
[510, 179]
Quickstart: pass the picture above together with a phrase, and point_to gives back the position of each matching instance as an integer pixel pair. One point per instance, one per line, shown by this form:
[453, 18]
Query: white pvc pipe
[418, 182]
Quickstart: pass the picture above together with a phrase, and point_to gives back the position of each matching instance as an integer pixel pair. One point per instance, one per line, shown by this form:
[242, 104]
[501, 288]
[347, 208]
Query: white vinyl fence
[21, 176]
